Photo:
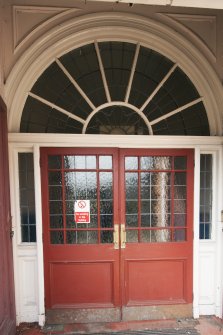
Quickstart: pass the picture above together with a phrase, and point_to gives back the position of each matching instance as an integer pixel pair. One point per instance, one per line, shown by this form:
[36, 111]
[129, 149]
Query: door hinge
[11, 233]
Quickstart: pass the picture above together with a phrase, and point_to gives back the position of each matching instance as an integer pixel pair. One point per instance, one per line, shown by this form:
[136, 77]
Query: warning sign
[82, 211]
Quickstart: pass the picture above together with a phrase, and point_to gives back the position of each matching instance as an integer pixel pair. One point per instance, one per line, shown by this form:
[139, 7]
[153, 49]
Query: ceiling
[215, 4]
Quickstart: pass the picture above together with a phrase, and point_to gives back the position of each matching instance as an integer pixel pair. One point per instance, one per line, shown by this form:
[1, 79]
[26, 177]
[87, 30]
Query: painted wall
[23, 24]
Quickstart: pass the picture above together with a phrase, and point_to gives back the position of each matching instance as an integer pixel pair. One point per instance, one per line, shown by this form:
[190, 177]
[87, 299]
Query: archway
[97, 28]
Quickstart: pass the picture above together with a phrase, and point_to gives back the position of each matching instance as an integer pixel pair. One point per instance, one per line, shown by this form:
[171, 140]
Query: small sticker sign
[82, 211]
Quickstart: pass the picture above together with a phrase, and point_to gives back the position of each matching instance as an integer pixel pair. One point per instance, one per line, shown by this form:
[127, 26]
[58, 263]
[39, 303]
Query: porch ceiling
[216, 4]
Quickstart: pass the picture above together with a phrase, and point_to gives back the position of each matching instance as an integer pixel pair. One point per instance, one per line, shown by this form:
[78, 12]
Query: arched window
[114, 88]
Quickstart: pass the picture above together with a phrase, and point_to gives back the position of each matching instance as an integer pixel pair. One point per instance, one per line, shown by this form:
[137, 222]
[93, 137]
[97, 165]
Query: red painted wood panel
[159, 281]
[89, 283]
[7, 304]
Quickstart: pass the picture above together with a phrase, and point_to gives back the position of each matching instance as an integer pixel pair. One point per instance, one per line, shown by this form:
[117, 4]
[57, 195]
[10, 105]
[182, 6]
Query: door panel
[137, 248]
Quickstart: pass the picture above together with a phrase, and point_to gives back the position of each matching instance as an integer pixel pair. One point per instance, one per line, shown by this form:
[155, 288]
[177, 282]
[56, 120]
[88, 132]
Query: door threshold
[128, 327]
[60, 316]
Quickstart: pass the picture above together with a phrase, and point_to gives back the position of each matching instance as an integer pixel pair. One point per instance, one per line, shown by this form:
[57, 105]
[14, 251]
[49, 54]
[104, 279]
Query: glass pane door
[80, 177]
[155, 191]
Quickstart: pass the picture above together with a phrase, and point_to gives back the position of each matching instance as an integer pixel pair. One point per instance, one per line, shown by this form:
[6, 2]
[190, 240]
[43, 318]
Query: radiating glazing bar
[108, 96]
[73, 81]
[50, 104]
[178, 110]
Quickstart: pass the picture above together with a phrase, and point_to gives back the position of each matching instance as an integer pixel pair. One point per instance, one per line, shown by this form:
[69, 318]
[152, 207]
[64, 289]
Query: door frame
[32, 142]
[7, 304]
[178, 255]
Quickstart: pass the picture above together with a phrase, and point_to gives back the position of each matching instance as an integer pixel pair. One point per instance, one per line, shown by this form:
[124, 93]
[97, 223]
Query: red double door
[137, 248]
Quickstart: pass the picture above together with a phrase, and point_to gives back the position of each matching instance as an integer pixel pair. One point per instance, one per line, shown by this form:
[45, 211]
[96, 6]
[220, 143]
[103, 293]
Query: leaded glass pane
[80, 162]
[56, 237]
[180, 206]
[106, 220]
[56, 207]
[160, 220]
[55, 192]
[105, 162]
[131, 163]
[55, 178]
[106, 186]
[27, 197]
[132, 220]
[155, 163]
[162, 235]
[206, 195]
[107, 236]
[180, 220]
[70, 222]
[56, 221]
[106, 207]
[179, 235]
[132, 236]
[54, 162]
[146, 220]
[180, 163]
[180, 192]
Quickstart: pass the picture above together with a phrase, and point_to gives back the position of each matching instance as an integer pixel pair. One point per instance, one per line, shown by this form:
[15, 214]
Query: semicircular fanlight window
[114, 88]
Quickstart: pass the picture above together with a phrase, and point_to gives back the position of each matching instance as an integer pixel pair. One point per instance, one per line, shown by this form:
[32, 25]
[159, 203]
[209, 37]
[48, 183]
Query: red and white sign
[82, 211]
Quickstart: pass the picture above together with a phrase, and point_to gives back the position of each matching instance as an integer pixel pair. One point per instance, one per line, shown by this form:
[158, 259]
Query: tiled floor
[202, 326]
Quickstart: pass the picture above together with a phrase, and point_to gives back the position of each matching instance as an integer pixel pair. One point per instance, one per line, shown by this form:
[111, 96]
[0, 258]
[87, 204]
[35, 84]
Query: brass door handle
[123, 236]
[116, 236]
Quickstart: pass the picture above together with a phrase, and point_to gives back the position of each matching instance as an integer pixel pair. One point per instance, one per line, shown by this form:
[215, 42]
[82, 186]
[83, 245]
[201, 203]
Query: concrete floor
[202, 326]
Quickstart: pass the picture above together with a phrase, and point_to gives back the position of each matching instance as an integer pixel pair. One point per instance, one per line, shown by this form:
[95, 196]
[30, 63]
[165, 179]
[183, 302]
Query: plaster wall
[24, 23]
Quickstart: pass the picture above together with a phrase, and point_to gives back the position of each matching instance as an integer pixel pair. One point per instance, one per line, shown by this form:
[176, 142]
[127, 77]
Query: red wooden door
[81, 264]
[157, 217]
[137, 248]
[7, 304]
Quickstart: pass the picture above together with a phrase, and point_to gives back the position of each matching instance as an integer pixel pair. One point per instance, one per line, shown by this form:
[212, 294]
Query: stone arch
[114, 27]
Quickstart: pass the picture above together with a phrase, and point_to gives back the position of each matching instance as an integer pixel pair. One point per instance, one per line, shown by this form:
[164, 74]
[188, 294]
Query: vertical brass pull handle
[123, 236]
[116, 236]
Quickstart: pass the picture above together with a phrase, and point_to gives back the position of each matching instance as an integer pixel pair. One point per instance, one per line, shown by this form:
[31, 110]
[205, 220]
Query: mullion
[150, 206]
[139, 202]
[98, 199]
[63, 200]
[172, 199]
